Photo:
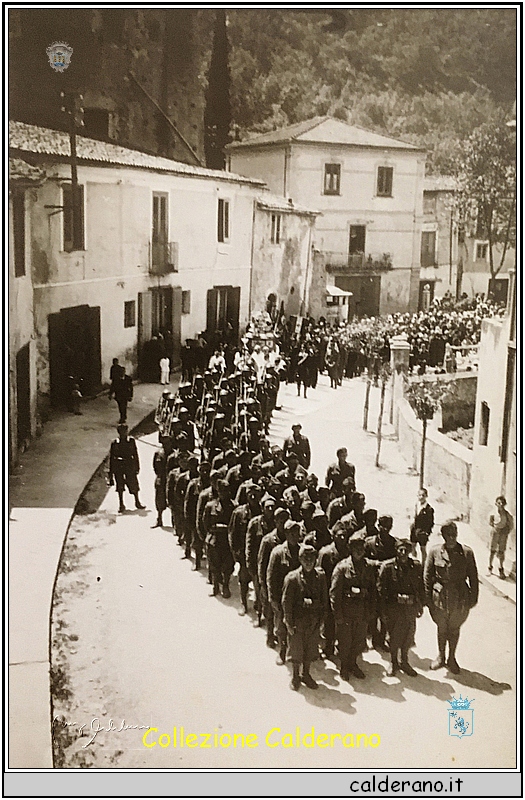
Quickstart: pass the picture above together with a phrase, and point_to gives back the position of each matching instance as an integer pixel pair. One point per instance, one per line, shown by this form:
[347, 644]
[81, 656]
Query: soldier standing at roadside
[304, 602]
[400, 587]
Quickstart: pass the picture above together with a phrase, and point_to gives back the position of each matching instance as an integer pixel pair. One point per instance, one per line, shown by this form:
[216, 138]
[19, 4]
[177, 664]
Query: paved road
[141, 641]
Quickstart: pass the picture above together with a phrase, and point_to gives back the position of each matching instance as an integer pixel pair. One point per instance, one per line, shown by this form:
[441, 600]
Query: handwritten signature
[95, 727]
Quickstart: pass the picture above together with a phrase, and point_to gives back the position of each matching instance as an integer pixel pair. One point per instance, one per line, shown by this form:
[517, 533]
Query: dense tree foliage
[486, 176]
[217, 112]
[429, 76]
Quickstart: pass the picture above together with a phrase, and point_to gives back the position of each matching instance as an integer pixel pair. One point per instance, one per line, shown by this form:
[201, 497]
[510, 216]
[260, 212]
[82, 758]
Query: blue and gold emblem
[59, 55]
[460, 717]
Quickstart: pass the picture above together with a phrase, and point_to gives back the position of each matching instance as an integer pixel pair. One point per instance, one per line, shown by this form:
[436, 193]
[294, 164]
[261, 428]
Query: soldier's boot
[158, 523]
[270, 640]
[452, 664]
[216, 586]
[393, 669]
[307, 678]
[405, 666]
[281, 658]
[226, 589]
[244, 600]
[138, 504]
[295, 683]
[440, 660]
[356, 671]
[197, 564]
[121, 506]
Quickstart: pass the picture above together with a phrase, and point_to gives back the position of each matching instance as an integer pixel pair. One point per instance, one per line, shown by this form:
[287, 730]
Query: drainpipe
[287, 154]
[308, 256]
[251, 262]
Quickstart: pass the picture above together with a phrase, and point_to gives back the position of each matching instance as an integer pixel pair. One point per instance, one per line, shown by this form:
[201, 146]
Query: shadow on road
[475, 680]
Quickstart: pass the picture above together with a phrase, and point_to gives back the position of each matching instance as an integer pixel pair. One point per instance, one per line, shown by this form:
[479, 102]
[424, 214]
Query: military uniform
[268, 543]
[400, 588]
[336, 474]
[451, 588]
[237, 528]
[300, 446]
[304, 603]
[329, 557]
[124, 464]
[352, 597]
[194, 488]
[215, 521]
[258, 527]
[283, 560]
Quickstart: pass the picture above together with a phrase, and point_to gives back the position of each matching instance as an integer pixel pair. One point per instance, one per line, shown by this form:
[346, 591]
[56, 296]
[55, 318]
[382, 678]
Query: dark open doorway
[23, 396]
[74, 350]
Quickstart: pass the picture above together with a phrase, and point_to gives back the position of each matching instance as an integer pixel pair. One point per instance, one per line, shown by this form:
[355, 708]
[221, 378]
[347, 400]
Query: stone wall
[448, 465]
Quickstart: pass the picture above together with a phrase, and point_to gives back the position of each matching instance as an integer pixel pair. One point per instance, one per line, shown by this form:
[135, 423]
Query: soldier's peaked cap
[403, 544]
[356, 538]
[307, 550]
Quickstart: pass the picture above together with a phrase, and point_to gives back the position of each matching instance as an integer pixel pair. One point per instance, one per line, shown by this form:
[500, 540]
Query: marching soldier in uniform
[284, 558]
[237, 528]
[258, 527]
[298, 444]
[216, 519]
[400, 587]
[352, 596]
[195, 487]
[380, 548]
[160, 469]
[124, 467]
[329, 556]
[268, 542]
[336, 473]
[451, 587]
[304, 603]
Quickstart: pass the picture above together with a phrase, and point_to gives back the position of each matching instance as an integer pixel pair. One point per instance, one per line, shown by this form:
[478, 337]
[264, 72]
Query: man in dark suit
[421, 528]
[299, 445]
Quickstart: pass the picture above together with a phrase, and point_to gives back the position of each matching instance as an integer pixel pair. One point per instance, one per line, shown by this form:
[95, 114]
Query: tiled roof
[43, 141]
[273, 202]
[439, 183]
[324, 130]
[20, 170]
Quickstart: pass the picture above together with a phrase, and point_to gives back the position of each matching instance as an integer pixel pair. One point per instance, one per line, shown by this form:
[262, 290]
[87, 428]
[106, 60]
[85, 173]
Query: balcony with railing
[355, 263]
[163, 258]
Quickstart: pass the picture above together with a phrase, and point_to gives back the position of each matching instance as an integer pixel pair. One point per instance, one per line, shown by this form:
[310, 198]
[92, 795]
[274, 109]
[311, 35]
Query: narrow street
[136, 637]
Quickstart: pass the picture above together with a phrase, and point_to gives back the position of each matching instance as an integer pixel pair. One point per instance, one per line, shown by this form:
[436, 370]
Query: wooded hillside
[428, 76]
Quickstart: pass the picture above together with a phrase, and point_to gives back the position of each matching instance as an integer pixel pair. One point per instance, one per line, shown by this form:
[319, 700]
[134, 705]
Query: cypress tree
[217, 112]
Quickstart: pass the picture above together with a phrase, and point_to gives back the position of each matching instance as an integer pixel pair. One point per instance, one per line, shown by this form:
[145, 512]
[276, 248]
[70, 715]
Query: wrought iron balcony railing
[347, 263]
[163, 258]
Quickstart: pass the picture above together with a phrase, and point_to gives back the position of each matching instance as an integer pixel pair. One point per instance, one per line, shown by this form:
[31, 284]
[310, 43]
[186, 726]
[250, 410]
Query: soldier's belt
[355, 593]
[405, 599]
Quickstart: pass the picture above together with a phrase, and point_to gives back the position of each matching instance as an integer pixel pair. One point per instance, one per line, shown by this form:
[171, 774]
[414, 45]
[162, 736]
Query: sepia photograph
[261, 396]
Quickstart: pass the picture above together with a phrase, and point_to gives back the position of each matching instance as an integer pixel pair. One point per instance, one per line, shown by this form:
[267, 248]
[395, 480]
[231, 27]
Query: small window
[484, 424]
[482, 249]
[129, 314]
[19, 232]
[428, 248]
[429, 203]
[186, 302]
[96, 123]
[276, 228]
[223, 220]
[332, 178]
[73, 239]
[384, 181]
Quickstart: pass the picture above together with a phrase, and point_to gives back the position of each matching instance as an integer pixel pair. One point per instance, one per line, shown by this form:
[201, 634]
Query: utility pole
[73, 107]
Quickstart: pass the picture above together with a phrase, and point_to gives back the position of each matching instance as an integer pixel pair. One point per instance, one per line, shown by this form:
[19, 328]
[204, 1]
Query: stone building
[164, 251]
[139, 71]
[282, 266]
[494, 457]
[439, 240]
[369, 189]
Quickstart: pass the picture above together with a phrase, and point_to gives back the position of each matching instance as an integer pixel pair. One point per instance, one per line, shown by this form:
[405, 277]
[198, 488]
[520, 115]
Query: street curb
[494, 589]
[74, 513]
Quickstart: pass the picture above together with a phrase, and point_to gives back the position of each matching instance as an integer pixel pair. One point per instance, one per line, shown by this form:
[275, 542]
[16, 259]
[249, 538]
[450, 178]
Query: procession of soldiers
[320, 568]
